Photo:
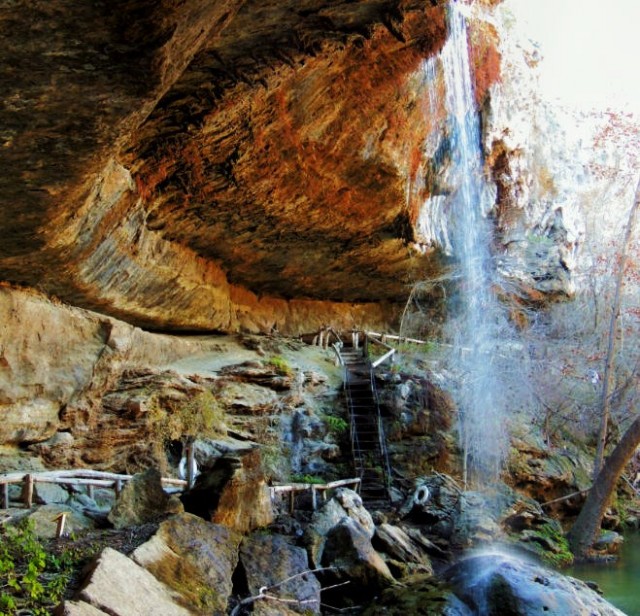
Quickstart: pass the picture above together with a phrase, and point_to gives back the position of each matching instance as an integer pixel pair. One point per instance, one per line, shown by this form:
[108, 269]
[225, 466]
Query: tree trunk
[583, 533]
[607, 381]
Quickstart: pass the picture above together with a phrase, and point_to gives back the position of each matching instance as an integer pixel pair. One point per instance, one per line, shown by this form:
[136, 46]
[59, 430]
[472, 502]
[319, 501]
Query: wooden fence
[315, 488]
[82, 477]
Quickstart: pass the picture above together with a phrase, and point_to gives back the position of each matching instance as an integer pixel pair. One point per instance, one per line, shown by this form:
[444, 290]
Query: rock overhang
[208, 165]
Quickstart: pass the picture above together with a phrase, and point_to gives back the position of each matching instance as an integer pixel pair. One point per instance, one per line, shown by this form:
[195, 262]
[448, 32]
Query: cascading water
[478, 321]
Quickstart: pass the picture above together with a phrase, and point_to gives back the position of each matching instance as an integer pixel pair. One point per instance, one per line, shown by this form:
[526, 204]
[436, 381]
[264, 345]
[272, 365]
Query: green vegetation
[32, 579]
[280, 365]
[551, 546]
[200, 416]
[307, 479]
[336, 424]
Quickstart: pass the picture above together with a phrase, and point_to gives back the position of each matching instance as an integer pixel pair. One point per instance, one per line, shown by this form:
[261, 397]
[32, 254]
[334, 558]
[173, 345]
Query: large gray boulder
[496, 584]
[402, 548]
[344, 504]
[270, 559]
[120, 587]
[143, 500]
[194, 558]
[349, 551]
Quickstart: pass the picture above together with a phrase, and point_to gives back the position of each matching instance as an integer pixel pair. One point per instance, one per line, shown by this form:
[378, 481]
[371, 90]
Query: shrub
[32, 580]
[336, 424]
[201, 416]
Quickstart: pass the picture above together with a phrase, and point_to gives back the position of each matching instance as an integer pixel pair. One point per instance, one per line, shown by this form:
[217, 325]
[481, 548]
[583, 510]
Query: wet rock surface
[501, 584]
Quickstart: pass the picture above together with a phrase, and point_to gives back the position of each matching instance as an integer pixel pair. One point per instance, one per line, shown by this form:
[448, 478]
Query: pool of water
[620, 581]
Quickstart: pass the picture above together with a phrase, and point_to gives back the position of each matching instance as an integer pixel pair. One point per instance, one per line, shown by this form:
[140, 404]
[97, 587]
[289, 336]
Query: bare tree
[607, 472]
[607, 381]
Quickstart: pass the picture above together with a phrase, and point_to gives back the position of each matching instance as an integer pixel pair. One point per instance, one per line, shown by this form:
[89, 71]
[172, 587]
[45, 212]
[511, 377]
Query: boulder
[194, 558]
[348, 549]
[436, 513]
[143, 500]
[233, 493]
[267, 561]
[49, 493]
[609, 542]
[45, 520]
[120, 587]
[402, 548]
[474, 522]
[345, 503]
[498, 584]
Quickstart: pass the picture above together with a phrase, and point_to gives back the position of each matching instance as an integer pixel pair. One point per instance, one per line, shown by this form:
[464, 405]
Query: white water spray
[478, 321]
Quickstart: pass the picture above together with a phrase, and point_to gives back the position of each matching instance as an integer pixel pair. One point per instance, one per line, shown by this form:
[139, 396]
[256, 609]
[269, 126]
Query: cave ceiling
[157, 156]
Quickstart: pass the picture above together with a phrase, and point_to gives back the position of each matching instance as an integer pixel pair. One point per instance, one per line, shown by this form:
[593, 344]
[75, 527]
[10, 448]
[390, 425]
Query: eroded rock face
[185, 164]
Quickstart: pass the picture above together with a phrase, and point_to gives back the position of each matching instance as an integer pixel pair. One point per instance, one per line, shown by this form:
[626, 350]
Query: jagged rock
[247, 398]
[195, 558]
[351, 502]
[268, 560]
[46, 523]
[120, 587]
[400, 546]
[78, 608]
[501, 584]
[474, 523]
[545, 473]
[233, 493]
[345, 503]
[348, 548]
[438, 513]
[143, 500]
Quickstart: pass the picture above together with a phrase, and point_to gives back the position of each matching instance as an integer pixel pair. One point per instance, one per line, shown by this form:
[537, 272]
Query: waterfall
[477, 321]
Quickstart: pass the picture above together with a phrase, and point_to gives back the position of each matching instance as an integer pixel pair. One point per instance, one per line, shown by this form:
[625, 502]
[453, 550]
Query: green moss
[280, 365]
[550, 545]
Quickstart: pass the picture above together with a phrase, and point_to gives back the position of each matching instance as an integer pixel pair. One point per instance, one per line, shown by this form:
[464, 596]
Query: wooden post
[90, 491]
[5, 495]
[292, 501]
[118, 486]
[314, 498]
[28, 497]
[61, 518]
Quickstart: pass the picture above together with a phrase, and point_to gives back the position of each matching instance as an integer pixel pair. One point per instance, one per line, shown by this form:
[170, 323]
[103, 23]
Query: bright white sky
[591, 49]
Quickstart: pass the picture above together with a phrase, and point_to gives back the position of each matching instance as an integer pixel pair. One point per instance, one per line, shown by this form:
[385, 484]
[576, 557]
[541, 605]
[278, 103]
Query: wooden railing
[81, 477]
[314, 488]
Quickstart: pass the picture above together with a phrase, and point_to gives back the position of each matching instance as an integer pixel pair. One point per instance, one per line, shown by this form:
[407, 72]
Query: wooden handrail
[79, 477]
[292, 488]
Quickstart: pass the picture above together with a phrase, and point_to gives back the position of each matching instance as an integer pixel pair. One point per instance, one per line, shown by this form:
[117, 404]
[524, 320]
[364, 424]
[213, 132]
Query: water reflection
[620, 580]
